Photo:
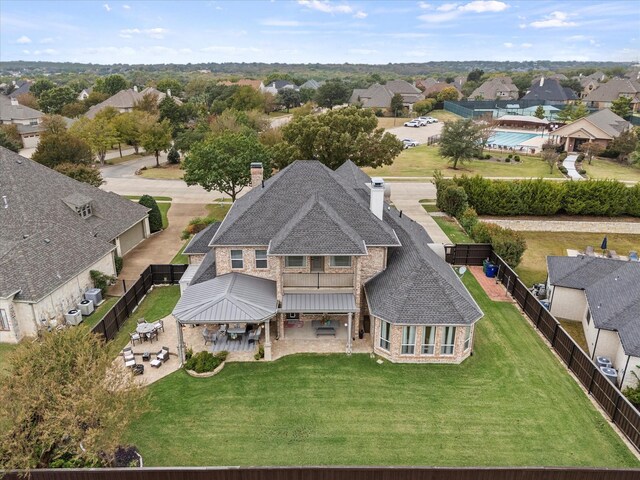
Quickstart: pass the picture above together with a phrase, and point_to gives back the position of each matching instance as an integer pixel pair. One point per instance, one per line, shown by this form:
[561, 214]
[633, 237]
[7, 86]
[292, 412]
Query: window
[448, 337]
[295, 262]
[84, 211]
[4, 320]
[236, 259]
[340, 261]
[429, 341]
[467, 339]
[408, 340]
[261, 259]
[385, 335]
[588, 317]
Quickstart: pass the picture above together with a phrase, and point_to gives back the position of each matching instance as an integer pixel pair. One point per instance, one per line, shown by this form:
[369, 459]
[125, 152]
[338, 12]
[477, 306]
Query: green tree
[336, 136]
[172, 112]
[550, 155]
[331, 93]
[111, 84]
[148, 103]
[573, 84]
[449, 93]
[397, 104]
[129, 127]
[171, 84]
[539, 113]
[621, 106]
[156, 137]
[28, 100]
[95, 98]
[54, 124]
[81, 172]
[155, 217]
[579, 111]
[74, 109]
[424, 106]
[7, 142]
[223, 163]
[55, 149]
[460, 141]
[246, 98]
[288, 98]
[173, 156]
[307, 95]
[624, 144]
[566, 114]
[64, 402]
[41, 86]
[475, 75]
[53, 100]
[98, 133]
[590, 150]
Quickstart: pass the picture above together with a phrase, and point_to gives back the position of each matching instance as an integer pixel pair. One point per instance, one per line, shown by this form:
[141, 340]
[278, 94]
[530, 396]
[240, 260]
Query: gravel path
[566, 226]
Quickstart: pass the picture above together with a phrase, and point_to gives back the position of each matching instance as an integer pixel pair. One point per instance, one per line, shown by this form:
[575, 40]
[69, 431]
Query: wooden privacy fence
[613, 402]
[122, 309]
[334, 473]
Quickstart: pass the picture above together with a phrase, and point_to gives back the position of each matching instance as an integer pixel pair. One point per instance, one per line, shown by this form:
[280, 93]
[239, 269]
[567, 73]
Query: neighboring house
[125, 100]
[379, 96]
[84, 94]
[437, 87]
[606, 93]
[554, 76]
[27, 120]
[590, 82]
[55, 230]
[245, 82]
[425, 83]
[277, 85]
[311, 85]
[21, 89]
[599, 127]
[604, 295]
[549, 90]
[311, 247]
[498, 88]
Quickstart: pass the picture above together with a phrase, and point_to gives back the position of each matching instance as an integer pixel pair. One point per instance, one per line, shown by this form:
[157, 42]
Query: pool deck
[534, 142]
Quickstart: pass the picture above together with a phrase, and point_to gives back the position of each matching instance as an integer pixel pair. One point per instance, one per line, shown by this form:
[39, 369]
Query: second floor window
[292, 262]
[236, 259]
[341, 261]
[261, 259]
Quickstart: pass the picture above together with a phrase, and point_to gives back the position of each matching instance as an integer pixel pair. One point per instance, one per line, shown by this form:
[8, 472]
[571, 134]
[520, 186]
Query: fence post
[171, 273]
[593, 376]
[124, 287]
[615, 410]
[555, 332]
[573, 349]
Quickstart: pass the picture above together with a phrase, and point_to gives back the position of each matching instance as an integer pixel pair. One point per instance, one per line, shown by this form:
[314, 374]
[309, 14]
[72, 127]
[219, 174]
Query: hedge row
[543, 197]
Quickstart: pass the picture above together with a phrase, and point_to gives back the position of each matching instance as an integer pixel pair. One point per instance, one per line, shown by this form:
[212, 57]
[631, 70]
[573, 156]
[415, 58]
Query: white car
[428, 119]
[408, 143]
[412, 123]
[422, 121]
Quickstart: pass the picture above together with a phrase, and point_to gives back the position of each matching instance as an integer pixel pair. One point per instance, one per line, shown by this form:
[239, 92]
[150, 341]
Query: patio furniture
[146, 330]
[129, 363]
[135, 337]
[322, 331]
[254, 335]
[209, 337]
[127, 353]
[146, 356]
[156, 362]
[138, 369]
[141, 320]
[159, 325]
[633, 256]
[163, 355]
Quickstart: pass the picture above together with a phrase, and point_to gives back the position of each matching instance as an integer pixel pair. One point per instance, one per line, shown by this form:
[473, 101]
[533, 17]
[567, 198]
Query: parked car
[422, 121]
[428, 120]
[412, 123]
[408, 143]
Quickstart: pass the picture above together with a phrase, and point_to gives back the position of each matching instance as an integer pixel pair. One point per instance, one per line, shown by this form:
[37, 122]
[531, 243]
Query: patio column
[349, 334]
[180, 342]
[267, 340]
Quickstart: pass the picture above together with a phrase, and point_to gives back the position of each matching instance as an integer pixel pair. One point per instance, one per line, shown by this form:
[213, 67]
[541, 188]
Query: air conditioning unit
[603, 361]
[73, 317]
[95, 295]
[86, 307]
[610, 373]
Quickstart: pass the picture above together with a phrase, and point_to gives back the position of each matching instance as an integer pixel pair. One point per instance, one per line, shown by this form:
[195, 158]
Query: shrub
[454, 200]
[155, 217]
[508, 159]
[101, 280]
[119, 264]
[509, 244]
[604, 197]
[580, 157]
[582, 171]
[633, 207]
[468, 219]
[487, 156]
[260, 353]
[222, 355]
[378, 112]
[188, 354]
[203, 362]
[562, 169]
[516, 158]
[173, 157]
[562, 156]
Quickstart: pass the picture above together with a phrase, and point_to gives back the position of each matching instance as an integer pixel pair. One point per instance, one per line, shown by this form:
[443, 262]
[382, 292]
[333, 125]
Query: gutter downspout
[624, 374]
[593, 355]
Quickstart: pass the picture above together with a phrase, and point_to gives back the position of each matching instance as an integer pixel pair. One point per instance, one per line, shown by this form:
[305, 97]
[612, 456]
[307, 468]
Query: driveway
[405, 197]
[128, 168]
[421, 134]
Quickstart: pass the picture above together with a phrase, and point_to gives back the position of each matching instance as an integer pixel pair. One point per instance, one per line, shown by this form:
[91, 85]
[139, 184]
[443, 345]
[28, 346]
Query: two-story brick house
[313, 253]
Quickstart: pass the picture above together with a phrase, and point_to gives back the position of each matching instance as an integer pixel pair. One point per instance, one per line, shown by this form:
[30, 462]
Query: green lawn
[423, 160]
[163, 172]
[124, 158]
[533, 268]
[575, 331]
[452, 230]
[606, 168]
[510, 404]
[164, 210]
[158, 304]
[218, 210]
[5, 350]
[100, 312]
[180, 258]
[158, 198]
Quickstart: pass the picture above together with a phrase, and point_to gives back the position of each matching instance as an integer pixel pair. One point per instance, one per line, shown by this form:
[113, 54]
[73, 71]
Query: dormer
[81, 204]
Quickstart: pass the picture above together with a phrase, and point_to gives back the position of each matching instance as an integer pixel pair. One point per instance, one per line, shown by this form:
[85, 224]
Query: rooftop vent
[46, 240]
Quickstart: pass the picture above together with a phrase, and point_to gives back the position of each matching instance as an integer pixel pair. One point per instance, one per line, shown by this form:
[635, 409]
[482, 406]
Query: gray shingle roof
[489, 89]
[418, 287]
[199, 244]
[22, 89]
[549, 90]
[9, 112]
[126, 99]
[37, 209]
[612, 289]
[259, 216]
[610, 91]
[207, 269]
[353, 175]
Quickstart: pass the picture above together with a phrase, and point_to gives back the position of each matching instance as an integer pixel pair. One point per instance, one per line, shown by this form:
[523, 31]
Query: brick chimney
[256, 174]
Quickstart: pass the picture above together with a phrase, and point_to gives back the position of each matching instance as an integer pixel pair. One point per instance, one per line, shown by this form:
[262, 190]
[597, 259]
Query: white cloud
[447, 7]
[424, 5]
[554, 20]
[523, 25]
[23, 39]
[26, 52]
[526, 45]
[361, 51]
[274, 22]
[325, 6]
[157, 33]
[107, 7]
[360, 14]
[508, 44]
[46, 51]
[481, 6]
[126, 7]
[46, 40]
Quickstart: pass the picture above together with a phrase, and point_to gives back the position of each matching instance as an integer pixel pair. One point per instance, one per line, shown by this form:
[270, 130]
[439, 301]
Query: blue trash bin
[492, 270]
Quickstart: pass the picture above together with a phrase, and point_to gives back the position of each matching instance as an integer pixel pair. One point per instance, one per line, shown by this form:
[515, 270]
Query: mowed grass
[180, 258]
[453, 230]
[606, 168]
[510, 404]
[533, 267]
[99, 313]
[163, 172]
[164, 211]
[423, 160]
[5, 351]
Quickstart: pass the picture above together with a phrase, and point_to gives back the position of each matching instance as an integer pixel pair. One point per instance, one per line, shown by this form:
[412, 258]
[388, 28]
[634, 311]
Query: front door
[317, 264]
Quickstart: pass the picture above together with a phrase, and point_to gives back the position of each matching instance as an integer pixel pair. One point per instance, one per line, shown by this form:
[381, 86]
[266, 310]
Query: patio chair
[222, 328]
[127, 353]
[159, 325]
[129, 363]
[163, 355]
[141, 320]
[254, 335]
[633, 256]
[150, 335]
[135, 337]
[206, 335]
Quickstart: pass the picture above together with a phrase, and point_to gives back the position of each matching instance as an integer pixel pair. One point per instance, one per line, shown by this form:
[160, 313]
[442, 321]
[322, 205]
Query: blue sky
[310, 31]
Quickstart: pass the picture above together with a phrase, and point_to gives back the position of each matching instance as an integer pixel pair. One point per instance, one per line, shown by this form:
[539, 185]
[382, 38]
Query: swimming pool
[510, 139]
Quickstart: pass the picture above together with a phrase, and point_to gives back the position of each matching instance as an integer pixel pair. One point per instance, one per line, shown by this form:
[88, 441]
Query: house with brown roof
[379, 96]
[497, 88]
[125, 100]
[437, 87]
[244, 82]
[599, 127]
[55, 231]
[605, 94]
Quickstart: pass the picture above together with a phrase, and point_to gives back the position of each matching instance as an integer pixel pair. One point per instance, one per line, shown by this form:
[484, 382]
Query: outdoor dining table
[235, 332]
[144, 328]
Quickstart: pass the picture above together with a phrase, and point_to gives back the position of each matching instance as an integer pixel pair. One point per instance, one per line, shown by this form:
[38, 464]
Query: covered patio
[235, 309]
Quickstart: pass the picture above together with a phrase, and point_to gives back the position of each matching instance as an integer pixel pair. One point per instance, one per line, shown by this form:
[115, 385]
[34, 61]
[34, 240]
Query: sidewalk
[567, 226]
